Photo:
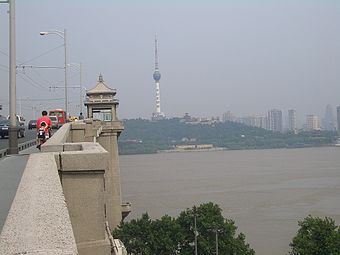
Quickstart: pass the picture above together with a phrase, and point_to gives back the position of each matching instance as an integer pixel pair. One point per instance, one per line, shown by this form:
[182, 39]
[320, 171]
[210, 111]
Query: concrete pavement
[11, 169]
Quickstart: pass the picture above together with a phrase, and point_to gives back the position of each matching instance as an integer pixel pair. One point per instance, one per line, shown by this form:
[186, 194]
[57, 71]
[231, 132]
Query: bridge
[69, 196]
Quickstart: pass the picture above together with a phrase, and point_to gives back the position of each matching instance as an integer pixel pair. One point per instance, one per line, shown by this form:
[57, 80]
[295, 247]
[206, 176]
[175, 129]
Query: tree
[135, 235]
[209, 219]
[316, 236]
[169, 236]
[166, 236]
[148, 237]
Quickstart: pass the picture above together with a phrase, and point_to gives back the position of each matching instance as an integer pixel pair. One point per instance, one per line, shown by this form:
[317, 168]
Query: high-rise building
[338, 118]
[312, 122]
[275, 120]
[228, 116]
[158, 115]
[328, 121]
[292, 121]
[253, 121]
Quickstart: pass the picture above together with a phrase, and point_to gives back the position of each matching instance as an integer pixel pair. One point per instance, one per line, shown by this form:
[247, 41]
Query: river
[266, 192]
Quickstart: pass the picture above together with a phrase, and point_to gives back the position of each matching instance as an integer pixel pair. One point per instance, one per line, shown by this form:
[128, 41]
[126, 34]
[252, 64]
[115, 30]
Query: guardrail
[38, 221]
[73, 181]
[3, 153]
[21, 146]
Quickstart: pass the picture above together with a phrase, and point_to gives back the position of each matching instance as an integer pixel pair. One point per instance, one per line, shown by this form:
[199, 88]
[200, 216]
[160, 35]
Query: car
[4, 127]
[73, 118]
[32, 124]
[55, 122]
[19, 118]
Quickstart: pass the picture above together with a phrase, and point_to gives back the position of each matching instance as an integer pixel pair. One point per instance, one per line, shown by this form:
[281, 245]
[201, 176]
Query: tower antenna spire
[158, 115]
[156, 53]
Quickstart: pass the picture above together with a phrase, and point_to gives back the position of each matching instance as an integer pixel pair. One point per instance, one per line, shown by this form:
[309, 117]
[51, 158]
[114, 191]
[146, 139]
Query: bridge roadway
[11, 169]
[30, 134]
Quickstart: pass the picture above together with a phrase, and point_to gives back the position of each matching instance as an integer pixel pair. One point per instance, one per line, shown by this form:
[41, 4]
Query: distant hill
[144, 136]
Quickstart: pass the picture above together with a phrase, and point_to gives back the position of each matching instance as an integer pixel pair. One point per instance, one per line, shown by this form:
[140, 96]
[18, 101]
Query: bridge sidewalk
[11, 169]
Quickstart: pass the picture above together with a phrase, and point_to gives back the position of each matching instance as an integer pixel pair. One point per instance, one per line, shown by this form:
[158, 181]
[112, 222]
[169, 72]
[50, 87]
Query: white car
[55, 122]
[19, 118]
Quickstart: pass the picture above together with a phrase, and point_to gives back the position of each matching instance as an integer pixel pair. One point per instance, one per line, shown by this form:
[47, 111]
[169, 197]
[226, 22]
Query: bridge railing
[21, 146]
[61, 203]
[38, 221]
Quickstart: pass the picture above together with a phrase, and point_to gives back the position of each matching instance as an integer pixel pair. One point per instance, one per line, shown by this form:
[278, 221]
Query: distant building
[260, 121]
[328, 122]
[187, 117]
[312, 122]
[228, 116]
[292, 121]
[254, 121]
[338, 118]
[274, 122]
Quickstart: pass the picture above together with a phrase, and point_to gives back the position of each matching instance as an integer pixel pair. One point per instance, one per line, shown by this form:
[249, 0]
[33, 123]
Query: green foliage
[167, 235]
[316, 236]
[209, 219]
[164, 134]
[145, 236]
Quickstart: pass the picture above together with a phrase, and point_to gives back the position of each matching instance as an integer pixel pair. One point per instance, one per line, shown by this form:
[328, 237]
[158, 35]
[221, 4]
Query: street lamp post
[13, 137]
[81, 88]
[61, 34]
[216, 239]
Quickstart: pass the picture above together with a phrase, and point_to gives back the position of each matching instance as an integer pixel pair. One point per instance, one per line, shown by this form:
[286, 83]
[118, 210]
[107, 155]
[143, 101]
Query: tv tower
[158, 115]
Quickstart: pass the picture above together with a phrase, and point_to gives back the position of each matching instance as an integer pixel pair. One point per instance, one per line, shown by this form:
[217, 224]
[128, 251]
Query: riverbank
[145, 137]
[193, 148]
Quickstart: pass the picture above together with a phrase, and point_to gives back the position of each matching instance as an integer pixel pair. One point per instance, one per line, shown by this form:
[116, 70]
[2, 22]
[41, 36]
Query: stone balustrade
[38, 221]
[69, 196]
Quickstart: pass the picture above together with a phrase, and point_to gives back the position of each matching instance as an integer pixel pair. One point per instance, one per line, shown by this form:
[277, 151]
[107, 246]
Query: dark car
[4, 126]
[32, 124]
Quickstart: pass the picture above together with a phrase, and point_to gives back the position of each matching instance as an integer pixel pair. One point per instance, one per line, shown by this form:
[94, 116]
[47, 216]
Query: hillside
[144, 136]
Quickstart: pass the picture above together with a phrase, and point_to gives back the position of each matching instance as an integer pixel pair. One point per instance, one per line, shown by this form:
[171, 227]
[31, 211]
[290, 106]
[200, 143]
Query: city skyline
[216, 56]
[279, 121]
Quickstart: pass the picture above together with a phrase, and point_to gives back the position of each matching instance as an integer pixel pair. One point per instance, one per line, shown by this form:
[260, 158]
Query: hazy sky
[214, 56]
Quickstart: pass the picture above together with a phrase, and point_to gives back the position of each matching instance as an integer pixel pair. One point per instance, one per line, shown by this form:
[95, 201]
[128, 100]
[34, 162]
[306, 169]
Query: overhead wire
[45, 53]
[4, 53]
[4, 66]
[3, 69]
[39, 99]
[41, 77]
[25, 77]
[30, 81]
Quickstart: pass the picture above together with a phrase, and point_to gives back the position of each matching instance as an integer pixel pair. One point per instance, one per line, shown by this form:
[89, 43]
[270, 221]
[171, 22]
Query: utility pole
[13, 136]
[216, 239]
[20, 106]
[65, 74]
[196, 233]
[62, 34]
[81, 88]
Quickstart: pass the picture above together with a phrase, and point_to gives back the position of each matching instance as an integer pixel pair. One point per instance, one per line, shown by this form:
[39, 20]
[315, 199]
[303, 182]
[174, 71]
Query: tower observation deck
[158, 115]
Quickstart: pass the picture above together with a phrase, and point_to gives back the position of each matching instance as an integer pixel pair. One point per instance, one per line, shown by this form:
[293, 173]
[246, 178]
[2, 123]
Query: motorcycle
[43, 135]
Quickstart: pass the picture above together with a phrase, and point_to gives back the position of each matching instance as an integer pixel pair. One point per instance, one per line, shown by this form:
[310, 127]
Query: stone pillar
[89, 112]
[82, 173]
[108, 140]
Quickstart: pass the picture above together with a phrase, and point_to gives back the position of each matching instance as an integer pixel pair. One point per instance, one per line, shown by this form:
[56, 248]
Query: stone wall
[38, 221]
[81, 159]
